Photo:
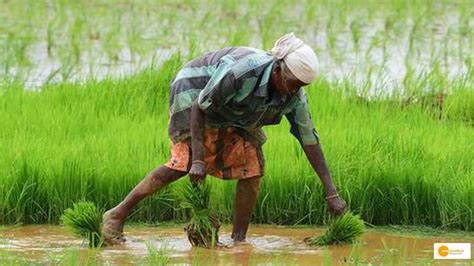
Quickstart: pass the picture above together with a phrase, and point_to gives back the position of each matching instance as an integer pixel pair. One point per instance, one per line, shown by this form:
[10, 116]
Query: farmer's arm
[220, 87]
[316, 158]
[198, 167]
[197, 132]
[303, 129]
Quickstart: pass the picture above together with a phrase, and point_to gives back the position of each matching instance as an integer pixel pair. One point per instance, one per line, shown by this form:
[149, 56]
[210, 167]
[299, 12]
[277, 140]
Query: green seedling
[341, 230]
[84, 219]
[202, 231]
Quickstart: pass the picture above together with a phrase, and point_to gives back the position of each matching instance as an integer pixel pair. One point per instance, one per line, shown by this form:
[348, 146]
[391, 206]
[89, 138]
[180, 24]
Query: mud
[266, 244]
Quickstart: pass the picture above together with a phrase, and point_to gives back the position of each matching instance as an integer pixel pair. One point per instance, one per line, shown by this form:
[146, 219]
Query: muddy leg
[244, 205]
[114, 218]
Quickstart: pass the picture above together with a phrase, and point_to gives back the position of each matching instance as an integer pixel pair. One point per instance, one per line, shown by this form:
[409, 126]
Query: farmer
[218, 104]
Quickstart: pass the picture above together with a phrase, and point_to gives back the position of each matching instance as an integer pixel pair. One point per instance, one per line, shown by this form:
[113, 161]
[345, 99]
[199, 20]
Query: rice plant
[203, 228]
[404, 158]
[157, 256]
[341, 230]
[390, 168]
[112, 36]
[84, 219]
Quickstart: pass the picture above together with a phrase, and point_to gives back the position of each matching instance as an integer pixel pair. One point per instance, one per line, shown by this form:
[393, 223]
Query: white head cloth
[298, 56]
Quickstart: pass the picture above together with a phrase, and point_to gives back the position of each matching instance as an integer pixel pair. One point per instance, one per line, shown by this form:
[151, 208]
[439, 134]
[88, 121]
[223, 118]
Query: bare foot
[112, 228]
[240, 245]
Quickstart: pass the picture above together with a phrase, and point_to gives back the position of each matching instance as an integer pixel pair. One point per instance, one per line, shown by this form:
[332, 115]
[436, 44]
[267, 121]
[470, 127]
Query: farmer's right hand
[197, 173]
[337, 206]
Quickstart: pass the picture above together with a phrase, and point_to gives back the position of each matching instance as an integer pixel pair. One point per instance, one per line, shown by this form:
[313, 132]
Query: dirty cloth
[231, 86]
[226, 153]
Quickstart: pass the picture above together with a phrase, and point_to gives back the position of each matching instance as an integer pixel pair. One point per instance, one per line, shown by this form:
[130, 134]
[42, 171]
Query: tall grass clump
[157, 256]
[203, 228]
[346, 228]
[84, 219]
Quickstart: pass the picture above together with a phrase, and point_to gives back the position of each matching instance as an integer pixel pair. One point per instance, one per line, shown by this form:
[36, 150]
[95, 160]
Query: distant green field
[404, 155]
[376, 44]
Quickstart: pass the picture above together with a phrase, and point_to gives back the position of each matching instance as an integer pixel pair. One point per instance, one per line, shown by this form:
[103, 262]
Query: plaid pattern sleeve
[301, 123]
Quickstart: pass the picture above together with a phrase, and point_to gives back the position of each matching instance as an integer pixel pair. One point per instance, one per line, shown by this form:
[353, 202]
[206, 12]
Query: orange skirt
[227, 155]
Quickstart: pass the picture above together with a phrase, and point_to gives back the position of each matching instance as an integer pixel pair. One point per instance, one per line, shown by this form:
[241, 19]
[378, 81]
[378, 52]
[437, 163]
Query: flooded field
[380, 47]
[266, 244]
[84, 92]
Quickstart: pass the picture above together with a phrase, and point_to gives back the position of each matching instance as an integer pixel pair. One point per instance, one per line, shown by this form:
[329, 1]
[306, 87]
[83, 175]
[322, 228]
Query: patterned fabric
[227, 155]
[231, 86]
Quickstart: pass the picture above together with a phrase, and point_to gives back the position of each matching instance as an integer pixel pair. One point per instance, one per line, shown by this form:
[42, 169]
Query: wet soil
[265, 245]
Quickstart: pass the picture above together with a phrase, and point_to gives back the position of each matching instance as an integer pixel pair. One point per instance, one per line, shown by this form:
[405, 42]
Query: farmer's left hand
[337, 206]
[197, 173]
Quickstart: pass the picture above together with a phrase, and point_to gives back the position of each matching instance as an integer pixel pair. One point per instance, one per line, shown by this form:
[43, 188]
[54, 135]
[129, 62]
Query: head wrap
[298, 56]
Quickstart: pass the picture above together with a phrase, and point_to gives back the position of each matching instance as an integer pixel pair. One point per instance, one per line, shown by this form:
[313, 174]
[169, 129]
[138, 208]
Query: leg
[114, 218]
[244, 205]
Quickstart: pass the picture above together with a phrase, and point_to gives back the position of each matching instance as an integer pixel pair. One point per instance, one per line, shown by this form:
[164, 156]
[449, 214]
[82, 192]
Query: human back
[221, 73]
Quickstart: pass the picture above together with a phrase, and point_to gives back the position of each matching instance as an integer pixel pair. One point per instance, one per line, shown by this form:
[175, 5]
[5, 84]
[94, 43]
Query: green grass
[345, 229]
[401, 158]
[394, 162]
[84, 219]
[203, 227]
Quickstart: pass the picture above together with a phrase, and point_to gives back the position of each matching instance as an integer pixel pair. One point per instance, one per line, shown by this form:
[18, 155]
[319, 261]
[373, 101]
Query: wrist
[197, 161]
[197, 155]
[330, 191]
[332, 196]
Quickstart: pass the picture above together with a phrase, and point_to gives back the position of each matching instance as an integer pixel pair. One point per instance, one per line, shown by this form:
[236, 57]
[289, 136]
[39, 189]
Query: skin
[313, 153]
[197, 173]
[246, 190]
[114, 218]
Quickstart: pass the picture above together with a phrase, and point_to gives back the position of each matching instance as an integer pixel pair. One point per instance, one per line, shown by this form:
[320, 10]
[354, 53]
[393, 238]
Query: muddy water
[266, 245]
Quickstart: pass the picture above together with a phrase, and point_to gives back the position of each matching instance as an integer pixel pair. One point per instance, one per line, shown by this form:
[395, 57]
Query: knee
[255, 183]
[164, 175]
[252, 184]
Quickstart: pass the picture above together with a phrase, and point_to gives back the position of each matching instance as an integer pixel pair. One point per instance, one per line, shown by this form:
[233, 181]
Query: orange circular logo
[443, 251]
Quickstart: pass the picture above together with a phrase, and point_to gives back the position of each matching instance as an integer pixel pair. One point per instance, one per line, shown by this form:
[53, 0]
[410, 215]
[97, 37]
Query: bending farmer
[218, 105]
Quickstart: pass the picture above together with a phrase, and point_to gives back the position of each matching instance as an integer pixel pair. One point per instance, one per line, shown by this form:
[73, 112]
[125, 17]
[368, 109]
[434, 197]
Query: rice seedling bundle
[203, 228]
[341, 230]
[84, 219]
